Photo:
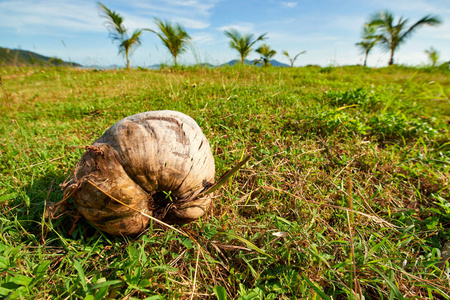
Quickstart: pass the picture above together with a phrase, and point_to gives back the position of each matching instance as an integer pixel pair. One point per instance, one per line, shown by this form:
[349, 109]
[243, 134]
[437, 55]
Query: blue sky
[326, 29]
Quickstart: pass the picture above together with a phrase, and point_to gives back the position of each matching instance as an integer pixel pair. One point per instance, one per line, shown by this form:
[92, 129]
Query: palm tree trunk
[128, 61]
[365, 59]
[391, 59]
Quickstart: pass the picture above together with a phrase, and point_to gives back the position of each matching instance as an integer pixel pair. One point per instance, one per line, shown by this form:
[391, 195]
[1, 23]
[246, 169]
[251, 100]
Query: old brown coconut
[154, 163]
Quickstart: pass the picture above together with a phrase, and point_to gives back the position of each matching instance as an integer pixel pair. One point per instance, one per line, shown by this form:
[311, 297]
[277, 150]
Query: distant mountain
[207, 65]
[235, 62]
[110, 67]
[15, 57]
[273, 62]
[154, 67]
[276, 63]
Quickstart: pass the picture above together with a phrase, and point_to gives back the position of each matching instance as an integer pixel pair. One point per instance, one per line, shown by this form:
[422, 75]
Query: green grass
[347, 190]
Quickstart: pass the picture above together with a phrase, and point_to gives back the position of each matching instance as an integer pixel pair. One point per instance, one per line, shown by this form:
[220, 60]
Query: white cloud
[198, 11]
[202, 38]
[191, 23]
[25, 15]
[441, 32]
[289, 4]
[198, 8]
[312, 38]
[132, 22]
[348, 23]
[51, 17]
[419, 7]
[243, 28]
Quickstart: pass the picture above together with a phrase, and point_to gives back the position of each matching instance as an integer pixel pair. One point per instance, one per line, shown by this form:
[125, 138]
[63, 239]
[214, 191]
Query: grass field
[346, 194]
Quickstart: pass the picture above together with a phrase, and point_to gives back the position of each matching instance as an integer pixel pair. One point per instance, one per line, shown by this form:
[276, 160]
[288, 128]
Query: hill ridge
[19, 58]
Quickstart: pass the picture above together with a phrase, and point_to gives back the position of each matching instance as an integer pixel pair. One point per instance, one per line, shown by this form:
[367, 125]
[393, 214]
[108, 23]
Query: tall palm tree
[243, 43]
[266, 52]
[433, 55]
[393, 35]
[173, 36]
[118, 33]
[292, 59]
[369, 39]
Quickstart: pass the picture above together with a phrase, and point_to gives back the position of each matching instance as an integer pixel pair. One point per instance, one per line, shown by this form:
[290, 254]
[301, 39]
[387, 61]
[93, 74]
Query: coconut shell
[155, 163]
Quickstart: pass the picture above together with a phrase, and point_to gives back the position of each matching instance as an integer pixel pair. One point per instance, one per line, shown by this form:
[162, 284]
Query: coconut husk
[154, 163]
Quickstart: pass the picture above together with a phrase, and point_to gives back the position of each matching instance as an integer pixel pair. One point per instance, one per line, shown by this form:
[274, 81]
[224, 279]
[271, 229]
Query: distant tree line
[381, 30]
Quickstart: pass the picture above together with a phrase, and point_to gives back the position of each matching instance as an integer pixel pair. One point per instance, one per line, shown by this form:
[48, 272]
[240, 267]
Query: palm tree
[243, 43]
[266, 52]
[393, 35]
[118, 32]
[433, 55]
[173, 36]
[369, 39]
[292, 60]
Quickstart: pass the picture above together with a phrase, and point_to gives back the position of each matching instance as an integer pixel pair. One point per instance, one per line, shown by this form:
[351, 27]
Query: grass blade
[220, 292]
[225, 177]
[83, 282]
[103, 284]
[248, 243]
[391, 284]
[315, 288]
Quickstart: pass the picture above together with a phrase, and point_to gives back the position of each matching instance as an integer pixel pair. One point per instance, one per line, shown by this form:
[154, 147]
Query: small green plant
[433, 56]
[326, 70]
[361, 97]
[398, 125]
[292, 59]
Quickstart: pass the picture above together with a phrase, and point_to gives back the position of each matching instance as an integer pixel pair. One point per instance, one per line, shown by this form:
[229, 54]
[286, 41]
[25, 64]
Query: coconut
[155, 163]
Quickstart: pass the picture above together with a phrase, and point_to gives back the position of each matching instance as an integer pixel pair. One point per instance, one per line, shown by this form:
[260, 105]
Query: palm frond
[369, 38]
[242, 43]
[237, 41]
[129, 45]
[427, 20]
[298, 54]
[114, 23]
[118, 32]
[173, 36]
[266, 52]
[292, 60]
[391, 35]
